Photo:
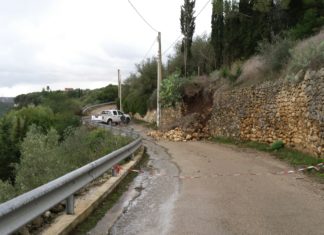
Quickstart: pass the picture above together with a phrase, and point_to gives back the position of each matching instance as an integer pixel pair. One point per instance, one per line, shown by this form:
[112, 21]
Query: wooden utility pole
[120, 91]
[159, 78]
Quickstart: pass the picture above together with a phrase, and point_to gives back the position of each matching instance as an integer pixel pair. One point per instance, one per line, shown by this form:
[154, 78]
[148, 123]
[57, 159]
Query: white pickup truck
[111, 116]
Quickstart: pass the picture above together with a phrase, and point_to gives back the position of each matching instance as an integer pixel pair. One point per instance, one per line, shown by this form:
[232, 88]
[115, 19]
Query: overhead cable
[149, 50]
[140, 15]
[203, 8]
[178, 38]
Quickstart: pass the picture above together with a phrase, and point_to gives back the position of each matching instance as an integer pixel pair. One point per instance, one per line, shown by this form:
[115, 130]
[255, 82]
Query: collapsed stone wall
[281, 110]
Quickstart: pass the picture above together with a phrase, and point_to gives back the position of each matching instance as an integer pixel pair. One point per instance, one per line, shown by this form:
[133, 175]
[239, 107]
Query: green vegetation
[218, 31]
[277, 53]
[293, 157]
[232, 73]
[77, 96]
[139, 88]
[44, 157]
[41, 138]
[171, 90]
[276, 145]
[101, 95]
[202, 59]
[238, 26]
[310, 56]
[187, 23]
[53, 110]
[239, 30]
[111, 200]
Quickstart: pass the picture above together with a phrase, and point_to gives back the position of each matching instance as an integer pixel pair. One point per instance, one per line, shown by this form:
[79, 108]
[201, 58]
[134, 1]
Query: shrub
[37, 164]
[276, 145]
[44, 158]
[233, 73]
[7, 191]
[236, 71]
[139, 87]
[224, 72]
[310, 23]
[309, 57]
[276, 54]
[171, 90]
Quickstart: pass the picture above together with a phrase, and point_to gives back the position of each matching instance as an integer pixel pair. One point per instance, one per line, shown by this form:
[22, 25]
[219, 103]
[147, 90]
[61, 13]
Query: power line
[203, 8]
[178, 38]
[149, 50]
[142, 17]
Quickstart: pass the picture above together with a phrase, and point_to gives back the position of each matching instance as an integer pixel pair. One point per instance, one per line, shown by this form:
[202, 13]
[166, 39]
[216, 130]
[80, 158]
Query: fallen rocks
[179, 134]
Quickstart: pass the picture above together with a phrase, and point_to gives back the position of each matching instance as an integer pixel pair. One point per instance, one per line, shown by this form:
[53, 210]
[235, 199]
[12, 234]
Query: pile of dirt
[196, 110]
[198, 95]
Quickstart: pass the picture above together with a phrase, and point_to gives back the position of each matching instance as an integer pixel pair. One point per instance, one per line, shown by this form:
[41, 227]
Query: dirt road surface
[225, 198]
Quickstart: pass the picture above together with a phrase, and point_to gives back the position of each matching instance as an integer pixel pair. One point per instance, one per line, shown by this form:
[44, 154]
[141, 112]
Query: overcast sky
[82, 43]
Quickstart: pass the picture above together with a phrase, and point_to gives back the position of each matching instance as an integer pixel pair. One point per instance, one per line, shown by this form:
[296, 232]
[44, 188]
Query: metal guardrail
[89, 107]
[18, 211]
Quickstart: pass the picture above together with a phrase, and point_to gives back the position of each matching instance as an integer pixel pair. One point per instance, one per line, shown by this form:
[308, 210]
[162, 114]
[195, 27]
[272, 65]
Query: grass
[108, 203]
[293, 157]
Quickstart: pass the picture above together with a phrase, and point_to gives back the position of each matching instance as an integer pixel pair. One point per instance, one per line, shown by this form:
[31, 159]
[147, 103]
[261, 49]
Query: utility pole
[120, 91]
[159, 78]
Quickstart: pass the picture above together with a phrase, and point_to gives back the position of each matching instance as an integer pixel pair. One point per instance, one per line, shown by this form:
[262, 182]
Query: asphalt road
[207, 188]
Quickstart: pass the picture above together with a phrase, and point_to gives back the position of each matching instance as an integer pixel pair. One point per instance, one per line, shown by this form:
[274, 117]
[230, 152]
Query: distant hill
[6, 103]
[7, 100]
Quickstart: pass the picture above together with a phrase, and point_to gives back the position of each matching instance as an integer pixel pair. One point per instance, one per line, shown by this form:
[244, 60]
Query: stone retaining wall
[288, 111]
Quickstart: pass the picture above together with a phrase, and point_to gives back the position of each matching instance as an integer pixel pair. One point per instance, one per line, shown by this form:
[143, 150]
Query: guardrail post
[70, 205]
[113, 172]
[132, 131]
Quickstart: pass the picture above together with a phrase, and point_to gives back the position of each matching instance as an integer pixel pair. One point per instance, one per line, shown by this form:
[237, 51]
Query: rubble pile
[179, 134]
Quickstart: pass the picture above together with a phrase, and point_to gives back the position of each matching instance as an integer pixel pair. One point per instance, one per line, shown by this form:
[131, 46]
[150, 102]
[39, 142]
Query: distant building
[68, 89]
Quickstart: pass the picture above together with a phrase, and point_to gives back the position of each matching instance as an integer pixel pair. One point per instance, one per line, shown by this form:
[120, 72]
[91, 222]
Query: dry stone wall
[289, 111]
[170, 117]
[150, 116]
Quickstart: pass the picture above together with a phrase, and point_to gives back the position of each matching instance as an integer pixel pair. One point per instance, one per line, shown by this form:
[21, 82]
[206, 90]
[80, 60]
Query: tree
[217, 34]
[203, 58]
[108, 94]
[308, 17]
[187, 22]
[139, 88]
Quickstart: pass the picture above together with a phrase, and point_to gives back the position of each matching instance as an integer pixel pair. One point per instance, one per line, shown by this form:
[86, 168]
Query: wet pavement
[222, 195]
[151, 210]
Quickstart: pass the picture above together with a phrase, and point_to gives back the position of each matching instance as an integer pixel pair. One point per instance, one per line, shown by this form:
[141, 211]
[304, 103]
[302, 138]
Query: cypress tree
[187, 22]
[217, 34]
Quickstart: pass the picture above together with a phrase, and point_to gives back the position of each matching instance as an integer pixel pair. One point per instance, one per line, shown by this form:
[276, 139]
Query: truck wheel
[122, 118]
[109, 122]
[127, 120]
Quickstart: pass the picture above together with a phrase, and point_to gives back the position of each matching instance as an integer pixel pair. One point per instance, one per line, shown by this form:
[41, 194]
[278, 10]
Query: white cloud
[81, 43]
